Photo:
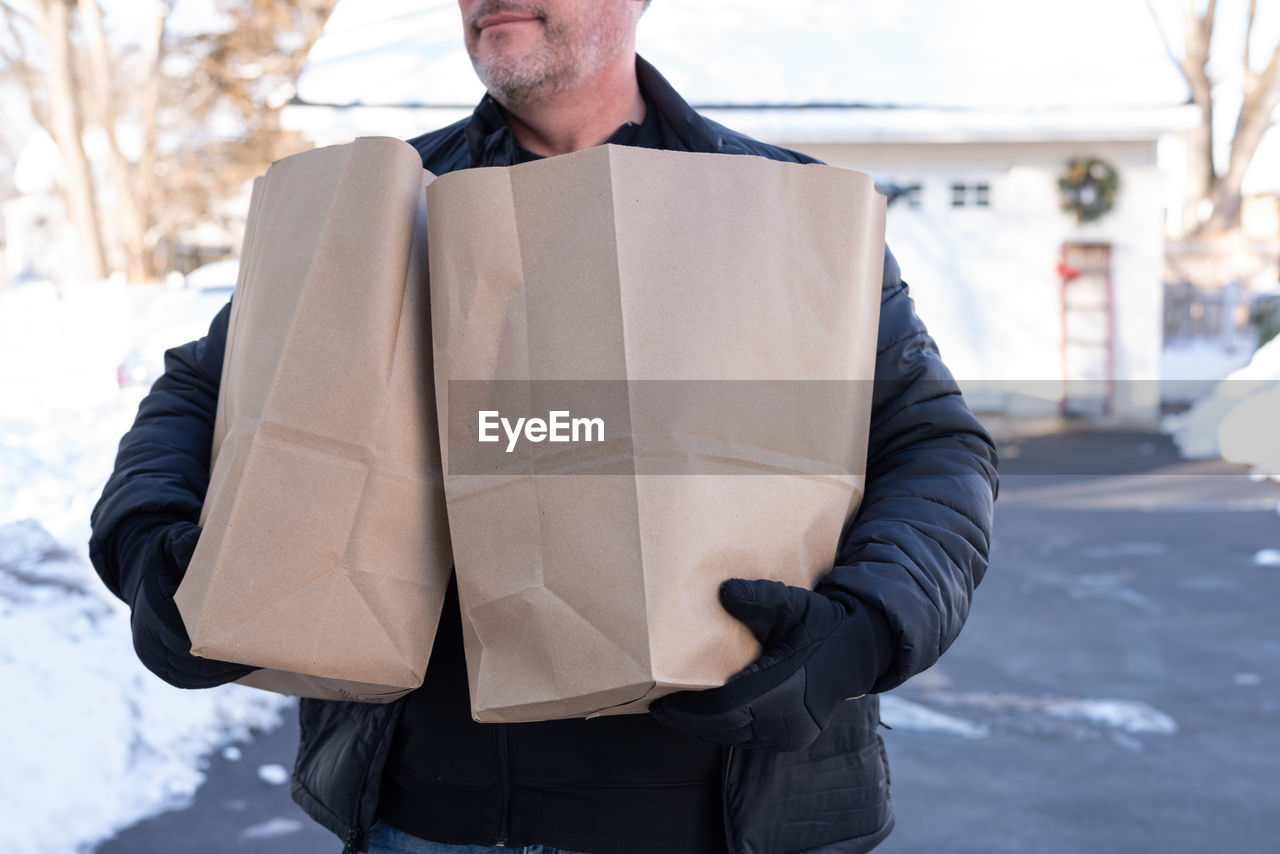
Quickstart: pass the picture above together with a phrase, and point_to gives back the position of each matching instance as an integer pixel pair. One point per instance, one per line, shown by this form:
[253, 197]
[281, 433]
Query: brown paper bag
[325, 552]
[718, 315]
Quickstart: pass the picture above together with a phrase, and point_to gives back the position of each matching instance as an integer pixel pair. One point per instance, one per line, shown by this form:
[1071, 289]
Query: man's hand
[817, 652]
[160, 557]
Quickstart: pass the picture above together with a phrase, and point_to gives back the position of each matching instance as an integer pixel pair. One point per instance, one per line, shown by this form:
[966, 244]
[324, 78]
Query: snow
[1125, 715]
[1190, 369]
[271, 829]
[1237, 419]
[1004, 711]
[274, 775]
[904, 714]
[1267, 558]
[94, 741]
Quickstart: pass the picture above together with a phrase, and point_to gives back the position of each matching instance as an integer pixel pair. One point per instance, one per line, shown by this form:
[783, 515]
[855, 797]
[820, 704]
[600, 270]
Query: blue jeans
[385, 839]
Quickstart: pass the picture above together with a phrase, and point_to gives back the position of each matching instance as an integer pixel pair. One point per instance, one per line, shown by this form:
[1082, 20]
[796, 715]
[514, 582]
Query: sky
[953, 53]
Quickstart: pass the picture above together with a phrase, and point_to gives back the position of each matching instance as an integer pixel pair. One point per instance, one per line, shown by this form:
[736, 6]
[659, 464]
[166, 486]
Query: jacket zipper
[724, 800]
[355, 835]
[504, 784]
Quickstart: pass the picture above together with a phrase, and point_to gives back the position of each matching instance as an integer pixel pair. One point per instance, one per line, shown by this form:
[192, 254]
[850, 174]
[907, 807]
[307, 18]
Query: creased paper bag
[717, 315]
[325, 552]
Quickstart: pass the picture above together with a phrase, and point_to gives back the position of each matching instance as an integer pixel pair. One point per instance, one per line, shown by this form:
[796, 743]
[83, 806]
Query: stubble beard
[557, 63]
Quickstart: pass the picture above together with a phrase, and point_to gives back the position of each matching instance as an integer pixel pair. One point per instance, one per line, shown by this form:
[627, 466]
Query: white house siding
[985, 280]
[949, 90]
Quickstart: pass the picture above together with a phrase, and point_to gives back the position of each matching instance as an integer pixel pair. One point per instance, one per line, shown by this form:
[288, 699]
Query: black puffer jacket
[916, 548]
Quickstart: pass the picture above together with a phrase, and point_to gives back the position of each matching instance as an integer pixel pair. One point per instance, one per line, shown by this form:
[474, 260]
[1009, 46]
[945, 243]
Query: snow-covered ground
[92, 741]
[1128, 716]
[1237, 418]
[1190, 369]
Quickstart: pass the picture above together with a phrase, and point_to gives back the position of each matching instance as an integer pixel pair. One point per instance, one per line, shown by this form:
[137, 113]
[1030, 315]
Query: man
[777, 760]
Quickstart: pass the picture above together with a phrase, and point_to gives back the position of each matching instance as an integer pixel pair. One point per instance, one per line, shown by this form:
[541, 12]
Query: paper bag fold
[325, 553]
[720, 314]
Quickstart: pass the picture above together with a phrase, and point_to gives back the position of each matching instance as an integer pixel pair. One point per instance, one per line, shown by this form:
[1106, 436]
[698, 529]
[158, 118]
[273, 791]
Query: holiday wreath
[1088, 188]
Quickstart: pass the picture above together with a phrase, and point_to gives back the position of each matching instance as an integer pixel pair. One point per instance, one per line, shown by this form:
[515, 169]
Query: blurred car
[173, 317]
[217, 276]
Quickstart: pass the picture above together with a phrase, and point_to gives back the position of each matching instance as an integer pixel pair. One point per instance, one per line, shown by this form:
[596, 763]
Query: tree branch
[102, 69]
[1248, 37]
[1270, 76]
[146, 170]
[1261, 98]
[19, 46]
[316, 12]
[1198, 35]
[67, 130]
[1207, 22]
[1164, 39]
[27, 76]
[14, 13]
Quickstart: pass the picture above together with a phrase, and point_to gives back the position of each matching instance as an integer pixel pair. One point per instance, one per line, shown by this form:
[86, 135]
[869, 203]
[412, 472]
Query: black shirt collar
[645, 134]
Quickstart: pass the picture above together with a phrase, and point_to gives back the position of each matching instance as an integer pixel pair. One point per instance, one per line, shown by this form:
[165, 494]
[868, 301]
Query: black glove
[817, 652]
[155, 555]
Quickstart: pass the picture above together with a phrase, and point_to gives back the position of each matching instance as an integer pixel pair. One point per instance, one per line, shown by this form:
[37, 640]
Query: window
[971, 195]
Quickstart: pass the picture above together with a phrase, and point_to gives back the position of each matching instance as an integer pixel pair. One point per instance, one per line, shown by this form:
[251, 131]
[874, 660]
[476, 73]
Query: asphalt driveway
[1116, 689]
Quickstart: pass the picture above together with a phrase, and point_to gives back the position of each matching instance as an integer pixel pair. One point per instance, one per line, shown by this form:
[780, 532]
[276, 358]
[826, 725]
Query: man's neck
[586, 116]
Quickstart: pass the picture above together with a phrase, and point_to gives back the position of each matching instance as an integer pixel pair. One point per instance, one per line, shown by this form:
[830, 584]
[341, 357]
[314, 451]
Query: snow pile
[1126, 715]
[53, 464]
[273, 775]
[898, 713]
[1237, 420]
[97, 742]
[94, 742]
[271, 829]
[1190, 369]
[59, 350]
[1018, 711]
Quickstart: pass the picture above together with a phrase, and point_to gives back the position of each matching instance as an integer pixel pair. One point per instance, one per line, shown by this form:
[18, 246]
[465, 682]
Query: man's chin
[511, 80]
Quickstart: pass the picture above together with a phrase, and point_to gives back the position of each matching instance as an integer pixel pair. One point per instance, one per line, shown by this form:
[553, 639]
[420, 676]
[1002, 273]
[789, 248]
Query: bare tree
[132, 181]
[244, 75]
[55, 98]
[1209, 191]
[138, 199]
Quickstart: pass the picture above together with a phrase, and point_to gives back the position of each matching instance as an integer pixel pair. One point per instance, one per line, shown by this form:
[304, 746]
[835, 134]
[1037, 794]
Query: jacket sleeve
[918, 544]
[162, 465]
